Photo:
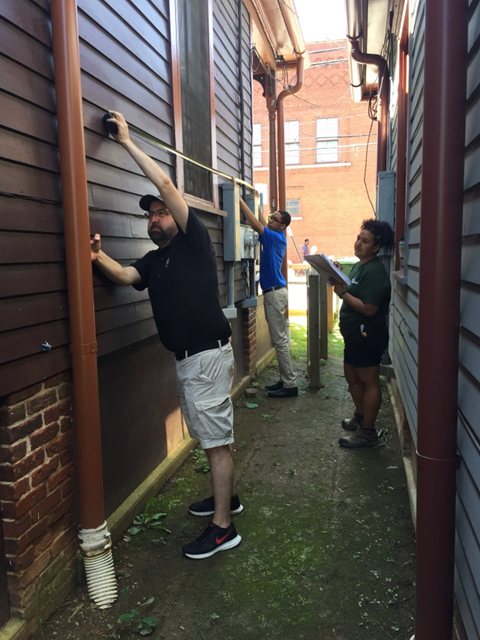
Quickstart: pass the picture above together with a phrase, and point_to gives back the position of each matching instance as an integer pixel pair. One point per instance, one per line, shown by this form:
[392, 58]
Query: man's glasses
[161, 213]
[272, 217]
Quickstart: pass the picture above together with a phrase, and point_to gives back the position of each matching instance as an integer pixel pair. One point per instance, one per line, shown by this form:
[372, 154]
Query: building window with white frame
[327, 140]
[293, 208]
[257, 145]
[292, 142]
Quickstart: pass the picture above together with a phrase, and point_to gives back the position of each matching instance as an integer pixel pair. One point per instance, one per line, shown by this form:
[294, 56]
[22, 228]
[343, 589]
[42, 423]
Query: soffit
[276, 31]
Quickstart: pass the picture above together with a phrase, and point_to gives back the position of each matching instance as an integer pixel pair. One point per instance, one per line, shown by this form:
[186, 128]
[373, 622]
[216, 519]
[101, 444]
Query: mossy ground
[328, 542]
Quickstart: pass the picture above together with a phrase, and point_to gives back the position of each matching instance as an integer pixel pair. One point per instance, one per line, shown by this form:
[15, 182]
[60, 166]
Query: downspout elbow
[383, 99]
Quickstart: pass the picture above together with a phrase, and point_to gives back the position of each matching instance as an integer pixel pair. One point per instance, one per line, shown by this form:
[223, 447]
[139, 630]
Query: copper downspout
[383, 99]
[272, 144]
[282, 187]
[79, 267]
[439, 311]
[94, 535]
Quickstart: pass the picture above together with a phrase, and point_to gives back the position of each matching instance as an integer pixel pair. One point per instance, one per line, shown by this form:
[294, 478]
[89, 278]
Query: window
[193, 29]
[257, 145]
[292, 142]
[327, 140]
[293, 208]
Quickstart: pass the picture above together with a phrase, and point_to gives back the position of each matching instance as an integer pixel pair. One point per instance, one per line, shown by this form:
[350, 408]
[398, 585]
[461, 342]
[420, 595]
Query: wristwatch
[340, 295]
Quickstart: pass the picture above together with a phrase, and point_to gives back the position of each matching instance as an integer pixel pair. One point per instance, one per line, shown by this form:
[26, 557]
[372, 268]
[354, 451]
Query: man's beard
[160, 236]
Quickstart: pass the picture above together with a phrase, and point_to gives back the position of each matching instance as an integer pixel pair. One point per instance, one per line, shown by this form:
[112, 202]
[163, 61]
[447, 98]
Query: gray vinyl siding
[404, 307]
[467, 574]
[228, 79]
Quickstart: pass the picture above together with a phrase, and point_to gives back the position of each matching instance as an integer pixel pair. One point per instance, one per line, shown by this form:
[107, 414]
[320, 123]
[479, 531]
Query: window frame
[329, 141]
[177, 107]
[292, 142]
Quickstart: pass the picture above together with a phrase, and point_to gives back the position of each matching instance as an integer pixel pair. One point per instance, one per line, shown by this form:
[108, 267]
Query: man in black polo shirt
[181, 276]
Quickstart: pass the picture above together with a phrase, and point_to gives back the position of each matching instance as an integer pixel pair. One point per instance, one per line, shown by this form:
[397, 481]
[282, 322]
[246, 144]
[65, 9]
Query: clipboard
[327, 269]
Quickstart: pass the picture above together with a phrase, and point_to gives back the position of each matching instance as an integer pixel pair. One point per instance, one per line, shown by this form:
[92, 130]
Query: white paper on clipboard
[327, 269]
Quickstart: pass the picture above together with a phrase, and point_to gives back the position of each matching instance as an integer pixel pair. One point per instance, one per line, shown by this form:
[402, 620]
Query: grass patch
[298, 341]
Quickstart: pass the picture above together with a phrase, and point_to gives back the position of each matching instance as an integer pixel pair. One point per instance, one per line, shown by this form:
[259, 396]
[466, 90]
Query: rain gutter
[443, 159]
[94, 536]
[354, 26]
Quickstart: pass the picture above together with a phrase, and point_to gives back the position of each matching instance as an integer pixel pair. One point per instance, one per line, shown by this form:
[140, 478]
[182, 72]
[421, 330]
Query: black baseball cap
[146, 201]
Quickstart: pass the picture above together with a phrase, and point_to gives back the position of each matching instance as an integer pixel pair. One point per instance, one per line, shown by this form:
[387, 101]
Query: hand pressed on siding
[95, 246]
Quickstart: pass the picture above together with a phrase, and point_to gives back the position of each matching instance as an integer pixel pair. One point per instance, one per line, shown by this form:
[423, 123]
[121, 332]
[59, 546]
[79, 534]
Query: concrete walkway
[328, 542]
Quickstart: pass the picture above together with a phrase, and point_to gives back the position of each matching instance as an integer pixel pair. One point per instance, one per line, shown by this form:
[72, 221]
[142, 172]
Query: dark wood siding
[33, 295]
[125, 62]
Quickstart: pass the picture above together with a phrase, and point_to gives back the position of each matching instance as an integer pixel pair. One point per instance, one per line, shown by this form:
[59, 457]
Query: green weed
[201, 461]
[143, 626]
[149, 519]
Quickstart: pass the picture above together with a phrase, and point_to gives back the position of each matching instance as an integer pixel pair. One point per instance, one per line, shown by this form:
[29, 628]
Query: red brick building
[329, 140]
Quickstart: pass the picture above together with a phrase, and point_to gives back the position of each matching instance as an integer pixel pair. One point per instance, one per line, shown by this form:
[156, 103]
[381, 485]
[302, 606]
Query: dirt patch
[328, 542]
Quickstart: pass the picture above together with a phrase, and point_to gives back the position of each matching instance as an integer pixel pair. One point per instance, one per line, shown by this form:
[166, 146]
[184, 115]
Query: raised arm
[170, 195]
[251, 219]
[110, 267]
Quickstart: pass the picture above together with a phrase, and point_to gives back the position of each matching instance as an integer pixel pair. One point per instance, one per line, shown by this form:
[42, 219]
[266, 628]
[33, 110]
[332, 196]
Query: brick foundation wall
[250, 340]
[37, 496]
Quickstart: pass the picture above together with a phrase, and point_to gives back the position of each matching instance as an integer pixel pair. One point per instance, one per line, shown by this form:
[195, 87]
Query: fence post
[323, 297]
[313, 330]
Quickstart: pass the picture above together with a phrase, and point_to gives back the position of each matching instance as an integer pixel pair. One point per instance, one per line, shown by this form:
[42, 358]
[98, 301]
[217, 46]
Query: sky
[322, 19]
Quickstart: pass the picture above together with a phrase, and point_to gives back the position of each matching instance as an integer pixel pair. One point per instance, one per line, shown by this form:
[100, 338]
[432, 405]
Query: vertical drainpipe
[443, 159]
[95, 540]
[282, 188]
[383, 99]
[272, 142]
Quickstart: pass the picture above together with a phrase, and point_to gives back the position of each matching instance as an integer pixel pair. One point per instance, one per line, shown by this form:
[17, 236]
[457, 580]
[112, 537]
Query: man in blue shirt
[274, 286]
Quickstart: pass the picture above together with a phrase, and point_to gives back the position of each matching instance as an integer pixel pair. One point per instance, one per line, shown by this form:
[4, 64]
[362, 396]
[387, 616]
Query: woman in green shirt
[363, 324]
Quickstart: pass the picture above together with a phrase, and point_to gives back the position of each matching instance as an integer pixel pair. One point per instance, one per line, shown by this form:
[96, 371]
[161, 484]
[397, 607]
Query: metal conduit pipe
[383, 93]
[94, 536]
[282, 188]
[443, 157]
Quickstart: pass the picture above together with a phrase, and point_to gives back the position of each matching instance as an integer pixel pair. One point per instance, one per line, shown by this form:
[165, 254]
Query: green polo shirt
[370, 283]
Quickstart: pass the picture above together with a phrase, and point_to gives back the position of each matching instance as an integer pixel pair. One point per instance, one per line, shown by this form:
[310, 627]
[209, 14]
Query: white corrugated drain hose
[96, 547]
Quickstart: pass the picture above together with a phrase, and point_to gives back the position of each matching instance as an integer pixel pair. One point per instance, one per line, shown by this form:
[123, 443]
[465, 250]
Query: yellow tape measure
[166, 147]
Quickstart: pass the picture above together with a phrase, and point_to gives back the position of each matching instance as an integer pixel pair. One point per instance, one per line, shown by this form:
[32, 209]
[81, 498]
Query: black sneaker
[284, 392]
[207, 507]
[363, 437]
[354, 423]
[275, 386]
[213, 539]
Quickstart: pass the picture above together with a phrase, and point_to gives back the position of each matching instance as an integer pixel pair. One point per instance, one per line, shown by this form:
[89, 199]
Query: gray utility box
[239, 241]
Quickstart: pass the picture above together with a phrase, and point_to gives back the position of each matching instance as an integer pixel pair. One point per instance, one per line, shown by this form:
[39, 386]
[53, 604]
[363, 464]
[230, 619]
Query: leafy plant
[201, 461]
[145, 625]
[149, 519]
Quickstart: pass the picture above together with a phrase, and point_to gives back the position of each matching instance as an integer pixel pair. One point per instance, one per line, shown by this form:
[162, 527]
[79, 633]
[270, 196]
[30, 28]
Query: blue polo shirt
[274, 245]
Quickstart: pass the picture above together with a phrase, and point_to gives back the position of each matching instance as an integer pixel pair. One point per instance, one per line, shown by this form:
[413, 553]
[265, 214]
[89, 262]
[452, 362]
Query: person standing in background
[274, 245]
[305, 249]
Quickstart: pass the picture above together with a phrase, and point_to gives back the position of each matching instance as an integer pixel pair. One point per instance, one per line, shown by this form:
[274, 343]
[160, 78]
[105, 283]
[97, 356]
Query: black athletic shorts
[366, 345]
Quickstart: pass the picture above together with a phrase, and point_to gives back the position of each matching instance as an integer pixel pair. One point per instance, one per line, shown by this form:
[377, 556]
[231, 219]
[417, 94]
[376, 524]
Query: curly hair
[383, 233]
